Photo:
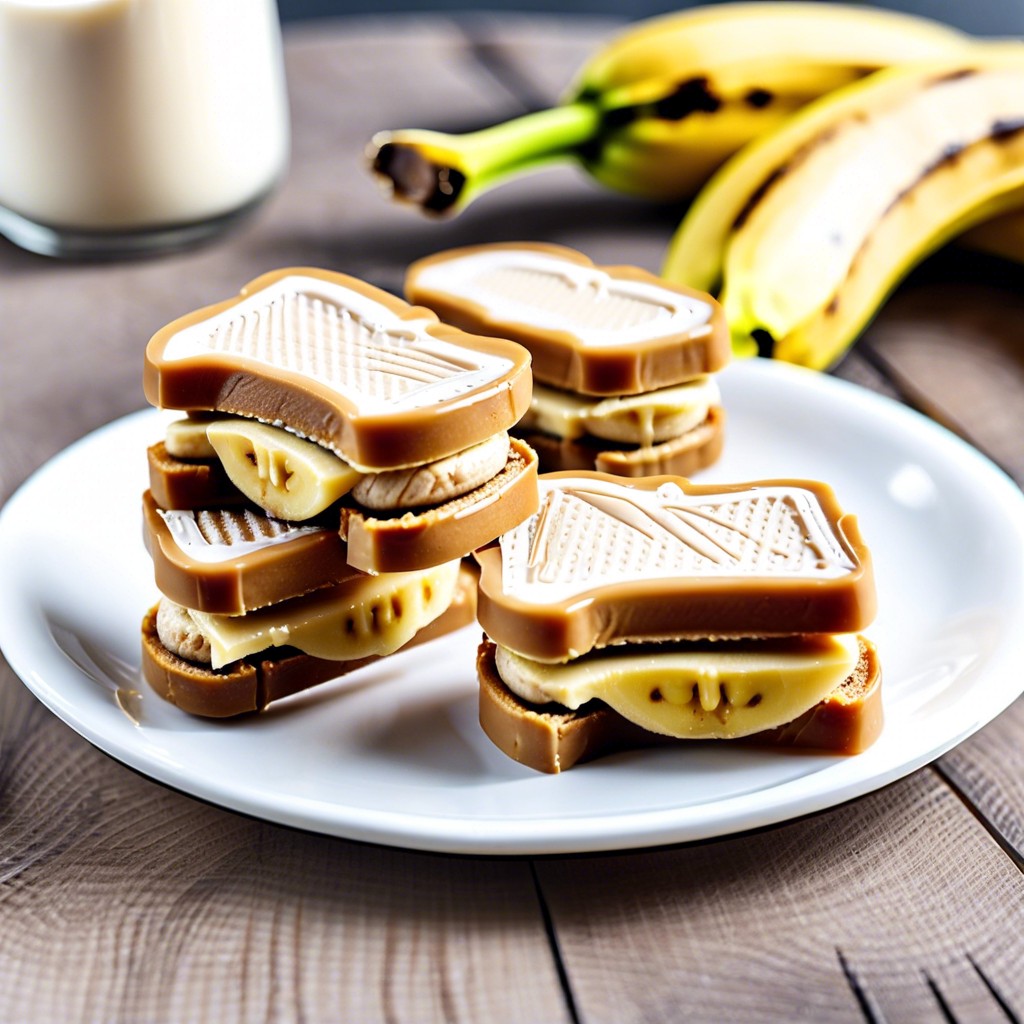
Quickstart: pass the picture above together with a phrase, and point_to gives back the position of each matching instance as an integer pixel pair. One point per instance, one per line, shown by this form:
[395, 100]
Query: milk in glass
[128, 125]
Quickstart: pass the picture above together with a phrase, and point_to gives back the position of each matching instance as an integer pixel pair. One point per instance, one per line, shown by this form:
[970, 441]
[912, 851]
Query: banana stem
[440, 172]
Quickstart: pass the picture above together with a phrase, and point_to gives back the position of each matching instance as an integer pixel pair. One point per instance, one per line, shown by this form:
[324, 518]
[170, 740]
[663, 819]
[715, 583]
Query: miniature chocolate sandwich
[313, 394]
[255, 609]
[623, 362]
[633, 613]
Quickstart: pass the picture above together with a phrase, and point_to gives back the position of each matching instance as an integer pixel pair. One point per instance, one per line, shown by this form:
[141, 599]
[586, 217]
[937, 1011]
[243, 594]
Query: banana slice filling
[296, 479]
[720, 690]
[368, 615]
[290, 477]
[186, 438]
[642, 420]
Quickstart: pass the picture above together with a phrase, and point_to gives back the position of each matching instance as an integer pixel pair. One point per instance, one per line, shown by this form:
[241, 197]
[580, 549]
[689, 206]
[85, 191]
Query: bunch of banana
[664, 104]
[810, 228]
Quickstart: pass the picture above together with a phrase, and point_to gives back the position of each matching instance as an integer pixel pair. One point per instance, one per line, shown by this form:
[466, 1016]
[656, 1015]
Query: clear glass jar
[131, 126]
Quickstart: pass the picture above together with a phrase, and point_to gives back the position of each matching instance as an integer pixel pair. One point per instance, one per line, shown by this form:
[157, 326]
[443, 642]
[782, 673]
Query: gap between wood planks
[873, 1015]
[1004, 844]
[556, 949]
[492, 58]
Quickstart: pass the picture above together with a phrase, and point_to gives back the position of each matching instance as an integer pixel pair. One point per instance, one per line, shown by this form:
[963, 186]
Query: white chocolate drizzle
[341, 338]
[590, 533]
[220, 535]
[527, 287]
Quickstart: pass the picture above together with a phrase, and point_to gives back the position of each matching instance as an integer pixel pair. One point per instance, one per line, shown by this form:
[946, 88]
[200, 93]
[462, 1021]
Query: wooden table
[121, 900]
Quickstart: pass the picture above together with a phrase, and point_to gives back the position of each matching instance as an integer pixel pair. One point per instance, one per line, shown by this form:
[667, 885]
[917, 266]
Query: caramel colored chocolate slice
[383, 384]
[552, 739]
[256, 682]
[230, 561]
[595, 330]
[606, 560]
[189, 483]
[416, 540]
[680, 456]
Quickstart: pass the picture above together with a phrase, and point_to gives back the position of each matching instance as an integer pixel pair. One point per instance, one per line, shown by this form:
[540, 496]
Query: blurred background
[984, 17]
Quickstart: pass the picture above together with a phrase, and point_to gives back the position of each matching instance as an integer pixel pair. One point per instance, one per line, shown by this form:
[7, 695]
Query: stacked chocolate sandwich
[624, 363]
[342, 453]
[630, 614]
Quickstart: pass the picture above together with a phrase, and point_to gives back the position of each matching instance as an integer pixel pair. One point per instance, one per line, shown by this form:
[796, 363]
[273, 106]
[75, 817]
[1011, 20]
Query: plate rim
[520, 836]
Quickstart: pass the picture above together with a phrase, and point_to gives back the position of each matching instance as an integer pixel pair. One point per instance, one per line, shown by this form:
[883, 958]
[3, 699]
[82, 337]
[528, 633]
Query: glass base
[79, 244]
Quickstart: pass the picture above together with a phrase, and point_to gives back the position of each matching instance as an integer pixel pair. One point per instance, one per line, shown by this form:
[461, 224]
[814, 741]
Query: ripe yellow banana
[810, 228]
[659, 108]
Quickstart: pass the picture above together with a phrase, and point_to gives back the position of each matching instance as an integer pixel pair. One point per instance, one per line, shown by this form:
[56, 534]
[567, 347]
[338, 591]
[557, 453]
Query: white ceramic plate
[395, 755]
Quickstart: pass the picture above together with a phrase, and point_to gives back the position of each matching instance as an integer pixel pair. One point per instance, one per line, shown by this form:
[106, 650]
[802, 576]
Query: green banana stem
[441, 172]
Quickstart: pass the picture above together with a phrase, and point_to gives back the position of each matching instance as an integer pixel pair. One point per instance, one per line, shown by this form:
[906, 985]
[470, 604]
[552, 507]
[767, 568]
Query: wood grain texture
[988, 770]
[865, 903]
[123, 901]
[120, 900]
[950, 342]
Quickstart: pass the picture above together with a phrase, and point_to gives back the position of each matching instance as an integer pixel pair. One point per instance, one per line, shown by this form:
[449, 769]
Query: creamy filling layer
[368, 615]
[630, 419]
[296, 479]
[714, 690]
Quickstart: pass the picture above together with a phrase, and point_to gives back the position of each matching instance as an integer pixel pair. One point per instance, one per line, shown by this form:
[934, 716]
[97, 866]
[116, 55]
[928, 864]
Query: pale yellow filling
[186, 439]
[293, 478]
[368, 615]
[630, 419]
[717, 692]
[290, 477]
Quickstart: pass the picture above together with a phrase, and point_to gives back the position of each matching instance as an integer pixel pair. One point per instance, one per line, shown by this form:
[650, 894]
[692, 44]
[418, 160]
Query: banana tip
[410, 177]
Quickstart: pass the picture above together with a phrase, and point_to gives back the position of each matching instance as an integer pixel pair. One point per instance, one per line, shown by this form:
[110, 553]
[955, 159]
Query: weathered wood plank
[536, 58]
[121, 900]
[864, 903]
[989, 771]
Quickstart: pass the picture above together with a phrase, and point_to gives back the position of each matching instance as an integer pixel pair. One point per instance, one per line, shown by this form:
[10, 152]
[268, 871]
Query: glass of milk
[132, 126]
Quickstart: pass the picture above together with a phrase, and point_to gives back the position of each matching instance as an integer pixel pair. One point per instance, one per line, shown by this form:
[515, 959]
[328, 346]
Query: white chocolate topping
[527, 287]
[344, 339]
[590, 533]
[222, 535]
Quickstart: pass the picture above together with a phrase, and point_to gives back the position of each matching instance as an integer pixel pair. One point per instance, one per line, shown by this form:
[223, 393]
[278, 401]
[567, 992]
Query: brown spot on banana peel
[1000, 132]
[415, 179]
[801, 154]
[758, 98]
[694, 95]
